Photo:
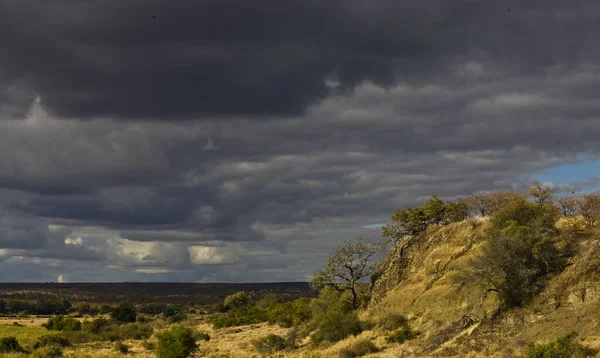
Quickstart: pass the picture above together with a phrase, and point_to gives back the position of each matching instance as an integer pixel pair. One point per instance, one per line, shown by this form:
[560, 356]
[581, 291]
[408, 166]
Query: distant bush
[86, 308]
[178, 342]
[269, 345]
[236, 300]
[52, 340]
[10, 345]
[359, 349]
[104, 330]
[95, 326]
[392, 321]
[240, 316]
[124, 313]
[563, 347]
[62, 323]
[153, 308]
[402, 335]
[122, 347]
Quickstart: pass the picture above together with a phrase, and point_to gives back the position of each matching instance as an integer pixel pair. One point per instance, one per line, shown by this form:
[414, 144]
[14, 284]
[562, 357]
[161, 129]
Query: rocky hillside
[424, 280]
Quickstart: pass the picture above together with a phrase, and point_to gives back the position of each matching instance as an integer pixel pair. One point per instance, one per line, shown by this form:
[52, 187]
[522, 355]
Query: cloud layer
[218, 142]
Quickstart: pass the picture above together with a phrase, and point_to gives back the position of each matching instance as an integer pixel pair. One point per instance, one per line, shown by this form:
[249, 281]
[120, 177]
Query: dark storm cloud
[459, 96]
[134, 59]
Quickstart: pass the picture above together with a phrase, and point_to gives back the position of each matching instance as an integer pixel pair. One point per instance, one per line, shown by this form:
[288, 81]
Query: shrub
[519, 251]
[122, 347]
[149, 346]
[177, 343]
[95, 326]
[392, 321]
[62, 323]
[236, 300]
[10, 345]
[153, 308]
[402, 335]
[124, 313]
[359, 349]
[290, 313]
[336, 325]
[565, 346]
[49, 352]
[201, 336]
[269, 345]
[52, 340]
[240, 316]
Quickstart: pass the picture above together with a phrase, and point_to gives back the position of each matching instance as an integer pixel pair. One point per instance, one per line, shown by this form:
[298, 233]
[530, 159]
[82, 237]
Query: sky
[228, 141]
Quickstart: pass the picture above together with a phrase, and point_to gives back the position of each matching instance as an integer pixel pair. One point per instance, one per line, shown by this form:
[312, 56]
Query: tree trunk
[354, 298]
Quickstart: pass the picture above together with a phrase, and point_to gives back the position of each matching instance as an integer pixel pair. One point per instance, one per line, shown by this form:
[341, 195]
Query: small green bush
[62, 323]
[359, 349]
[402, 335]
[289, 314]
[122, 347]
[336, 325]
[52, 340]
[201, 336]
[104, 330]
[10, 345]
[49, 352]
[236, 300]
[240, 316]
[563, 347]
[269, 345]
[124, 313]
[178, 342]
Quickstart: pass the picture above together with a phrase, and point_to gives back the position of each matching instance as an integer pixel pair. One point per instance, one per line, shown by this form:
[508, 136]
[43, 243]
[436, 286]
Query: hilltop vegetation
[494, 274]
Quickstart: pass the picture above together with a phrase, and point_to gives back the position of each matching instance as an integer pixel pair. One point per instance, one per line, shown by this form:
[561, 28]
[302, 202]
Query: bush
[149, 346]
[52, 340]
[49, 352]
[236, 300]
[359, 349]
[290, 313]
[10, 345]
[62, 323]
[519, 251]
[269, 345]
[336, 325]
[124, 313]
[402, 335]
[153, 308]
[240, 316]
[333, 318]
[563, 347]
[392, 321]
[179, 342]
[104, 330]
[201, 336]
[122, 347]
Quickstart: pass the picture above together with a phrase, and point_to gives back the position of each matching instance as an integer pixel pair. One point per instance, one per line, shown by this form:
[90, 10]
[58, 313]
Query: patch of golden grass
[25, 335]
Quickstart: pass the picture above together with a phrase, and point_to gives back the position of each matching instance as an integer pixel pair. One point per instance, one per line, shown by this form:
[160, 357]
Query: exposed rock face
[421, 279]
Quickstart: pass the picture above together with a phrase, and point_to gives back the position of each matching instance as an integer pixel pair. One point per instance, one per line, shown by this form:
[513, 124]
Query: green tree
[178, 342]
[589, 208]
[124, 313]
[541, 192]
[347, 266]
[237, 299]
[520, 249]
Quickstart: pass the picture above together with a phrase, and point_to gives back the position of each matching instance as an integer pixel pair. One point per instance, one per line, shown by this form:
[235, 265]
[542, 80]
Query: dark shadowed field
[198, 293]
